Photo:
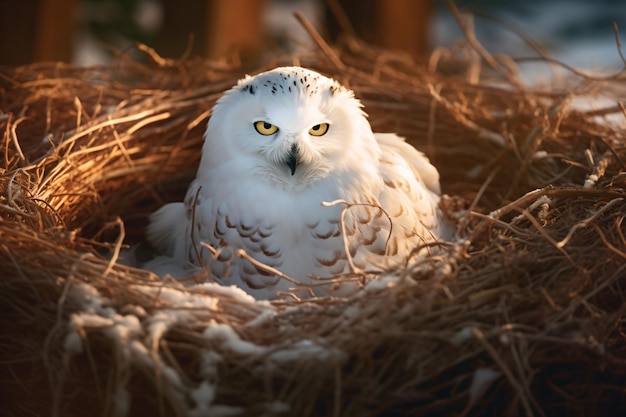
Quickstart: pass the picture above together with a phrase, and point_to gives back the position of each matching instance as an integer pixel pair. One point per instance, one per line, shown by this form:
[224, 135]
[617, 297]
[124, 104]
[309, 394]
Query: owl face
[289, 125]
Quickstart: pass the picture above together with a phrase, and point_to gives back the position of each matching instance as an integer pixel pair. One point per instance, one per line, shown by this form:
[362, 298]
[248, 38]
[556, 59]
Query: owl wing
[167, 234]
[164, 231]
[402, 214]
[170, 230]
[391, 143]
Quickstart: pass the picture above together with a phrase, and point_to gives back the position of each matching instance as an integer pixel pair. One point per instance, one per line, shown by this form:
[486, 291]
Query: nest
[524, 315]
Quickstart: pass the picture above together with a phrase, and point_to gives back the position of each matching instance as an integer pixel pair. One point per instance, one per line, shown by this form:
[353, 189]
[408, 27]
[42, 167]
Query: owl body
[278, 146]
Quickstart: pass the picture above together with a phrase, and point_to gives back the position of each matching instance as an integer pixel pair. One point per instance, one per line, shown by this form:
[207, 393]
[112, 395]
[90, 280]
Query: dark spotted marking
[350, 228]
[250, 282]
[249, 89]
[253, 248]
[229, 224]
[245, 233]
[392, 247]
[380, 252]
[390, 183]
[338, 268]
[328, 263]
[267, 252]
[254, 270]
[371, 239]
[323, 236]
[217, 232]
[367, 218]
[224, 253]
[313, 225]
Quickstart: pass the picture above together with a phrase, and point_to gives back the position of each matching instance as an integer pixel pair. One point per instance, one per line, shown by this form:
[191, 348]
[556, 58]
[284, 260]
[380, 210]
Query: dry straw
[524, 315]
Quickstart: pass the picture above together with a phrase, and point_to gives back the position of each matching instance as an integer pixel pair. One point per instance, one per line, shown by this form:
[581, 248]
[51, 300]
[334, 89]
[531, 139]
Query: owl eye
[319, 130]
[265, 128]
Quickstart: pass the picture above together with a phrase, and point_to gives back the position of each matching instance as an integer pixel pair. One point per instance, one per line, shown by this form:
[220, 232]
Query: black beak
[292, 159]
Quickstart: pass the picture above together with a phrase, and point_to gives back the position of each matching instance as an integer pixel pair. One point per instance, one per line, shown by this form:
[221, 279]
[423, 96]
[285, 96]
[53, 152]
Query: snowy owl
[279, 149]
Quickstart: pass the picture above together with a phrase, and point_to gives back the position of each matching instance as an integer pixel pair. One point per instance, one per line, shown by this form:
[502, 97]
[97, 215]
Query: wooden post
[404, 25]
[37, 30]
[235, 24]
[55, 26]
[393, 24]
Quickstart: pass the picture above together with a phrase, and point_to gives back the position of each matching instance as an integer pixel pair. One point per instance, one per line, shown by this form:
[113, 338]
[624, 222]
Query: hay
[524, 316]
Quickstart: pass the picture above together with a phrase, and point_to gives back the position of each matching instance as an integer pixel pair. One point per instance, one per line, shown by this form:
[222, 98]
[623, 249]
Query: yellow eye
[265, 128]
[319, 130]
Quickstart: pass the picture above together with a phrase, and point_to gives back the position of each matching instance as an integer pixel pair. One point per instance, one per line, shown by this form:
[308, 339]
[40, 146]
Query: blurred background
[86, 32]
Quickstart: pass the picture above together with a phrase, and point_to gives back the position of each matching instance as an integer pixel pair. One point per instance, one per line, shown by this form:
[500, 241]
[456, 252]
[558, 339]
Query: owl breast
[296, 234]
[292, 233]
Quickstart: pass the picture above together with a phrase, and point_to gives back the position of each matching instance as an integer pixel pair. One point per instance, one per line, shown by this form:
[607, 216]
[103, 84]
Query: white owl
[277, 146]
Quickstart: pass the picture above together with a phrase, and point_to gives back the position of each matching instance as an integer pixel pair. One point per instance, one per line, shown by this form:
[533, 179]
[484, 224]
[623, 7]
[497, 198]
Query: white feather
[167, 228]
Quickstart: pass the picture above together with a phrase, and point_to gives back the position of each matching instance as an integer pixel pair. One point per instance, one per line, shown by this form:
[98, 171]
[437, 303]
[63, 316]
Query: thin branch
[242, 254]
[321, 43]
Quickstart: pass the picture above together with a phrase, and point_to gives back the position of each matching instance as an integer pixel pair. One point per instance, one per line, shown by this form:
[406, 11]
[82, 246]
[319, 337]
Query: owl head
[291, 126]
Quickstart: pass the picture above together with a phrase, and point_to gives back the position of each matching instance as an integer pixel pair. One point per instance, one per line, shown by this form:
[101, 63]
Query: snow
[578, 33]
[602, 100]
[209, 362]
[81, 320]
[277, 407]
[481, 381]
[306, 349]
[94, 314]
[591, 180]
[543, 203]
[204, 396]
[135, 310]
[121, 400]
[229, 340]
[266, 316]
[234, 292]
[382, 283]
[125, 328]
[73, 343]
[179, 297]
[462, 336]
[162, 321]
[155, 363]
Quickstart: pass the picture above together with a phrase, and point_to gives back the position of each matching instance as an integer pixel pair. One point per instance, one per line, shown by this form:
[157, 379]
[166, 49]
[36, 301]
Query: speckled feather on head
[277, 147]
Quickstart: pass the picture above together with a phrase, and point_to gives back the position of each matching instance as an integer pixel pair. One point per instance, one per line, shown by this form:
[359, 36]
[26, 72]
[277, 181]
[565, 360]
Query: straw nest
[524, 315]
